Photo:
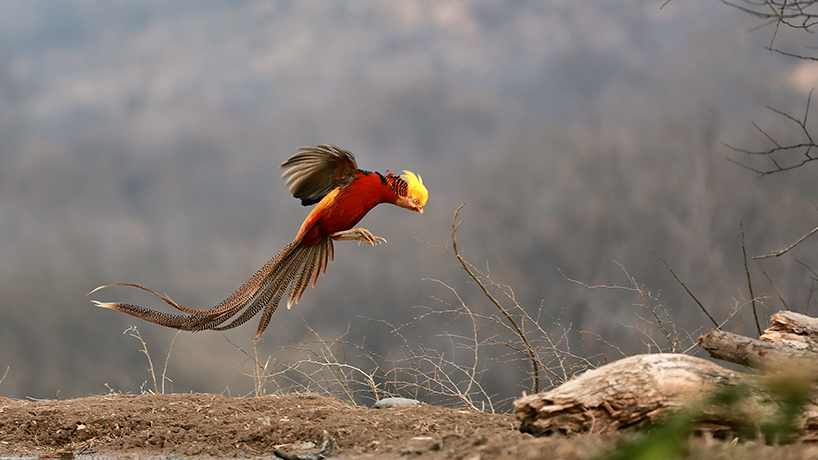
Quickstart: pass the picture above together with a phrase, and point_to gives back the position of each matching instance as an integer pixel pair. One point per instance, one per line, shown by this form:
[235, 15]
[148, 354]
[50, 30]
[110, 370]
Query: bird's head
[412, 194]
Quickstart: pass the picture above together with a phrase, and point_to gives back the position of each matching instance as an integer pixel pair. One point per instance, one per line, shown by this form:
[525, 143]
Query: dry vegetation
[325, 393]
[321, 402]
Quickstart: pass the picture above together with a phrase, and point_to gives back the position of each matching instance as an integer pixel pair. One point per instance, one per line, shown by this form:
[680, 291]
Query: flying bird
[329, 178]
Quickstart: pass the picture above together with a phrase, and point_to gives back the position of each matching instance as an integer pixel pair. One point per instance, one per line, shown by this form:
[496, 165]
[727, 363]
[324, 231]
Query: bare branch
[796, 14]
[788, 248]
[167, 360]
[650, 303]
[749, 278]
[794, 55]
[134, 332]
[686, 289]
[777, 293]
[781, 152]
[532, 355]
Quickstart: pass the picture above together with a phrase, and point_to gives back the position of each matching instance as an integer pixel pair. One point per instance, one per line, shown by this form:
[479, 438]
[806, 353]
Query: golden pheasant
[328, 177]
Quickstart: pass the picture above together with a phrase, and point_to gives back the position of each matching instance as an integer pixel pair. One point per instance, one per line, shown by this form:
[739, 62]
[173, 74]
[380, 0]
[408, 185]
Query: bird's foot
[361, 235]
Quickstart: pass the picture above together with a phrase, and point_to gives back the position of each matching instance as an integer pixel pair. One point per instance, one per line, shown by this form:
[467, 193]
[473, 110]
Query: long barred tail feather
[294, 268]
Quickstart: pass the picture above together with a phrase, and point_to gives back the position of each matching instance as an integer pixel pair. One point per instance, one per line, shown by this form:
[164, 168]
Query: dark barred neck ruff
[397, 184]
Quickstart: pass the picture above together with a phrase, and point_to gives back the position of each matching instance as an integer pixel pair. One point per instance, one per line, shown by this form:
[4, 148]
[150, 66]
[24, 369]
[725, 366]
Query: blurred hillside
[139, 142]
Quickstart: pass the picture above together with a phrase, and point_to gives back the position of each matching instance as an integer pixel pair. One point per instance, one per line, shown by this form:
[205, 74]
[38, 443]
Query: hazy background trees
[140, 143]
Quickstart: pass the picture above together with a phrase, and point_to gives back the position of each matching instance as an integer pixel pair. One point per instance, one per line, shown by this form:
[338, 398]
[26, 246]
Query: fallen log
[791, 341]
[621, 394]
[780, 401]
[753, 352]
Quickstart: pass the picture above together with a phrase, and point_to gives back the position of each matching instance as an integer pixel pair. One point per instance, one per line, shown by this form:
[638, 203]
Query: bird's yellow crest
[415, 187]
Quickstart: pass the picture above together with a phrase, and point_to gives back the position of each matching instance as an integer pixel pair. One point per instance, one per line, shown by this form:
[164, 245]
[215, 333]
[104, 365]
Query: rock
[395, 402]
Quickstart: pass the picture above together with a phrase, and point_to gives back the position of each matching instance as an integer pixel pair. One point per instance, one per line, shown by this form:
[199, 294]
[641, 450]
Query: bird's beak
[420, 210]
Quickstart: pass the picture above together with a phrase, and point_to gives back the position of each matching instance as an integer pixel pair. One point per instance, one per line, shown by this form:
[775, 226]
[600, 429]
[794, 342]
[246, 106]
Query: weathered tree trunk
[645, 388]
[620, 394]
[790, 342]
[752, 352]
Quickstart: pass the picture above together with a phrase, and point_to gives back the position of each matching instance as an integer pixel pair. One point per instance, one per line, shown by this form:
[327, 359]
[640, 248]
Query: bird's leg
[361, 235]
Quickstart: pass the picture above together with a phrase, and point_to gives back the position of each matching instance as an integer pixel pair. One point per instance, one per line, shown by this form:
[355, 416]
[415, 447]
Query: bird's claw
[365, 236]
[361, 235]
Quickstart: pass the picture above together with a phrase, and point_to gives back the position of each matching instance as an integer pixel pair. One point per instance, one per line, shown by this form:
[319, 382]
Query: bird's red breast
[344, 207]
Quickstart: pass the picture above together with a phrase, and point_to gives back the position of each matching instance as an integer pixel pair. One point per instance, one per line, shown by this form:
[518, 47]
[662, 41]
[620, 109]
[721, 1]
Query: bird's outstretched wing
[315, 171]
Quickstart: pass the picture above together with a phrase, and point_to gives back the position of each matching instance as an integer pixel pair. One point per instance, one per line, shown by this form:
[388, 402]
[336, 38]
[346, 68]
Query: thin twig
[805, 147]
[531, 353]
[715, 323]
[134, 332]
[786, 307]
[791, 13]
[167, 358]
[749, 278]
[788, 248]
[260, 373]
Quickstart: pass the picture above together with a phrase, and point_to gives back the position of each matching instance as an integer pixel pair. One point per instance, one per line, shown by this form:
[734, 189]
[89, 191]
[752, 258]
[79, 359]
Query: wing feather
[315, 171]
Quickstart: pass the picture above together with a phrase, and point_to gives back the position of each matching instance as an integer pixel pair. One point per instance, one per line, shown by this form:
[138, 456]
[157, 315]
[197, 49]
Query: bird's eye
[415, 201]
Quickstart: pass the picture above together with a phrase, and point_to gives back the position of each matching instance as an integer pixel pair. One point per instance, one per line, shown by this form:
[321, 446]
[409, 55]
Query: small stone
[395, 402]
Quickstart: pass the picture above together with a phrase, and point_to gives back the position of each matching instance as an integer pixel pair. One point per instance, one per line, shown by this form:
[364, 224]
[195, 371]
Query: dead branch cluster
[783, 156]
[796, 14]
[800, 16]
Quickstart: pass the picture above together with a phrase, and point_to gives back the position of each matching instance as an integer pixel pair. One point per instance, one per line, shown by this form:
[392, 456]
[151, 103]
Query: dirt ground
[207, 425]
